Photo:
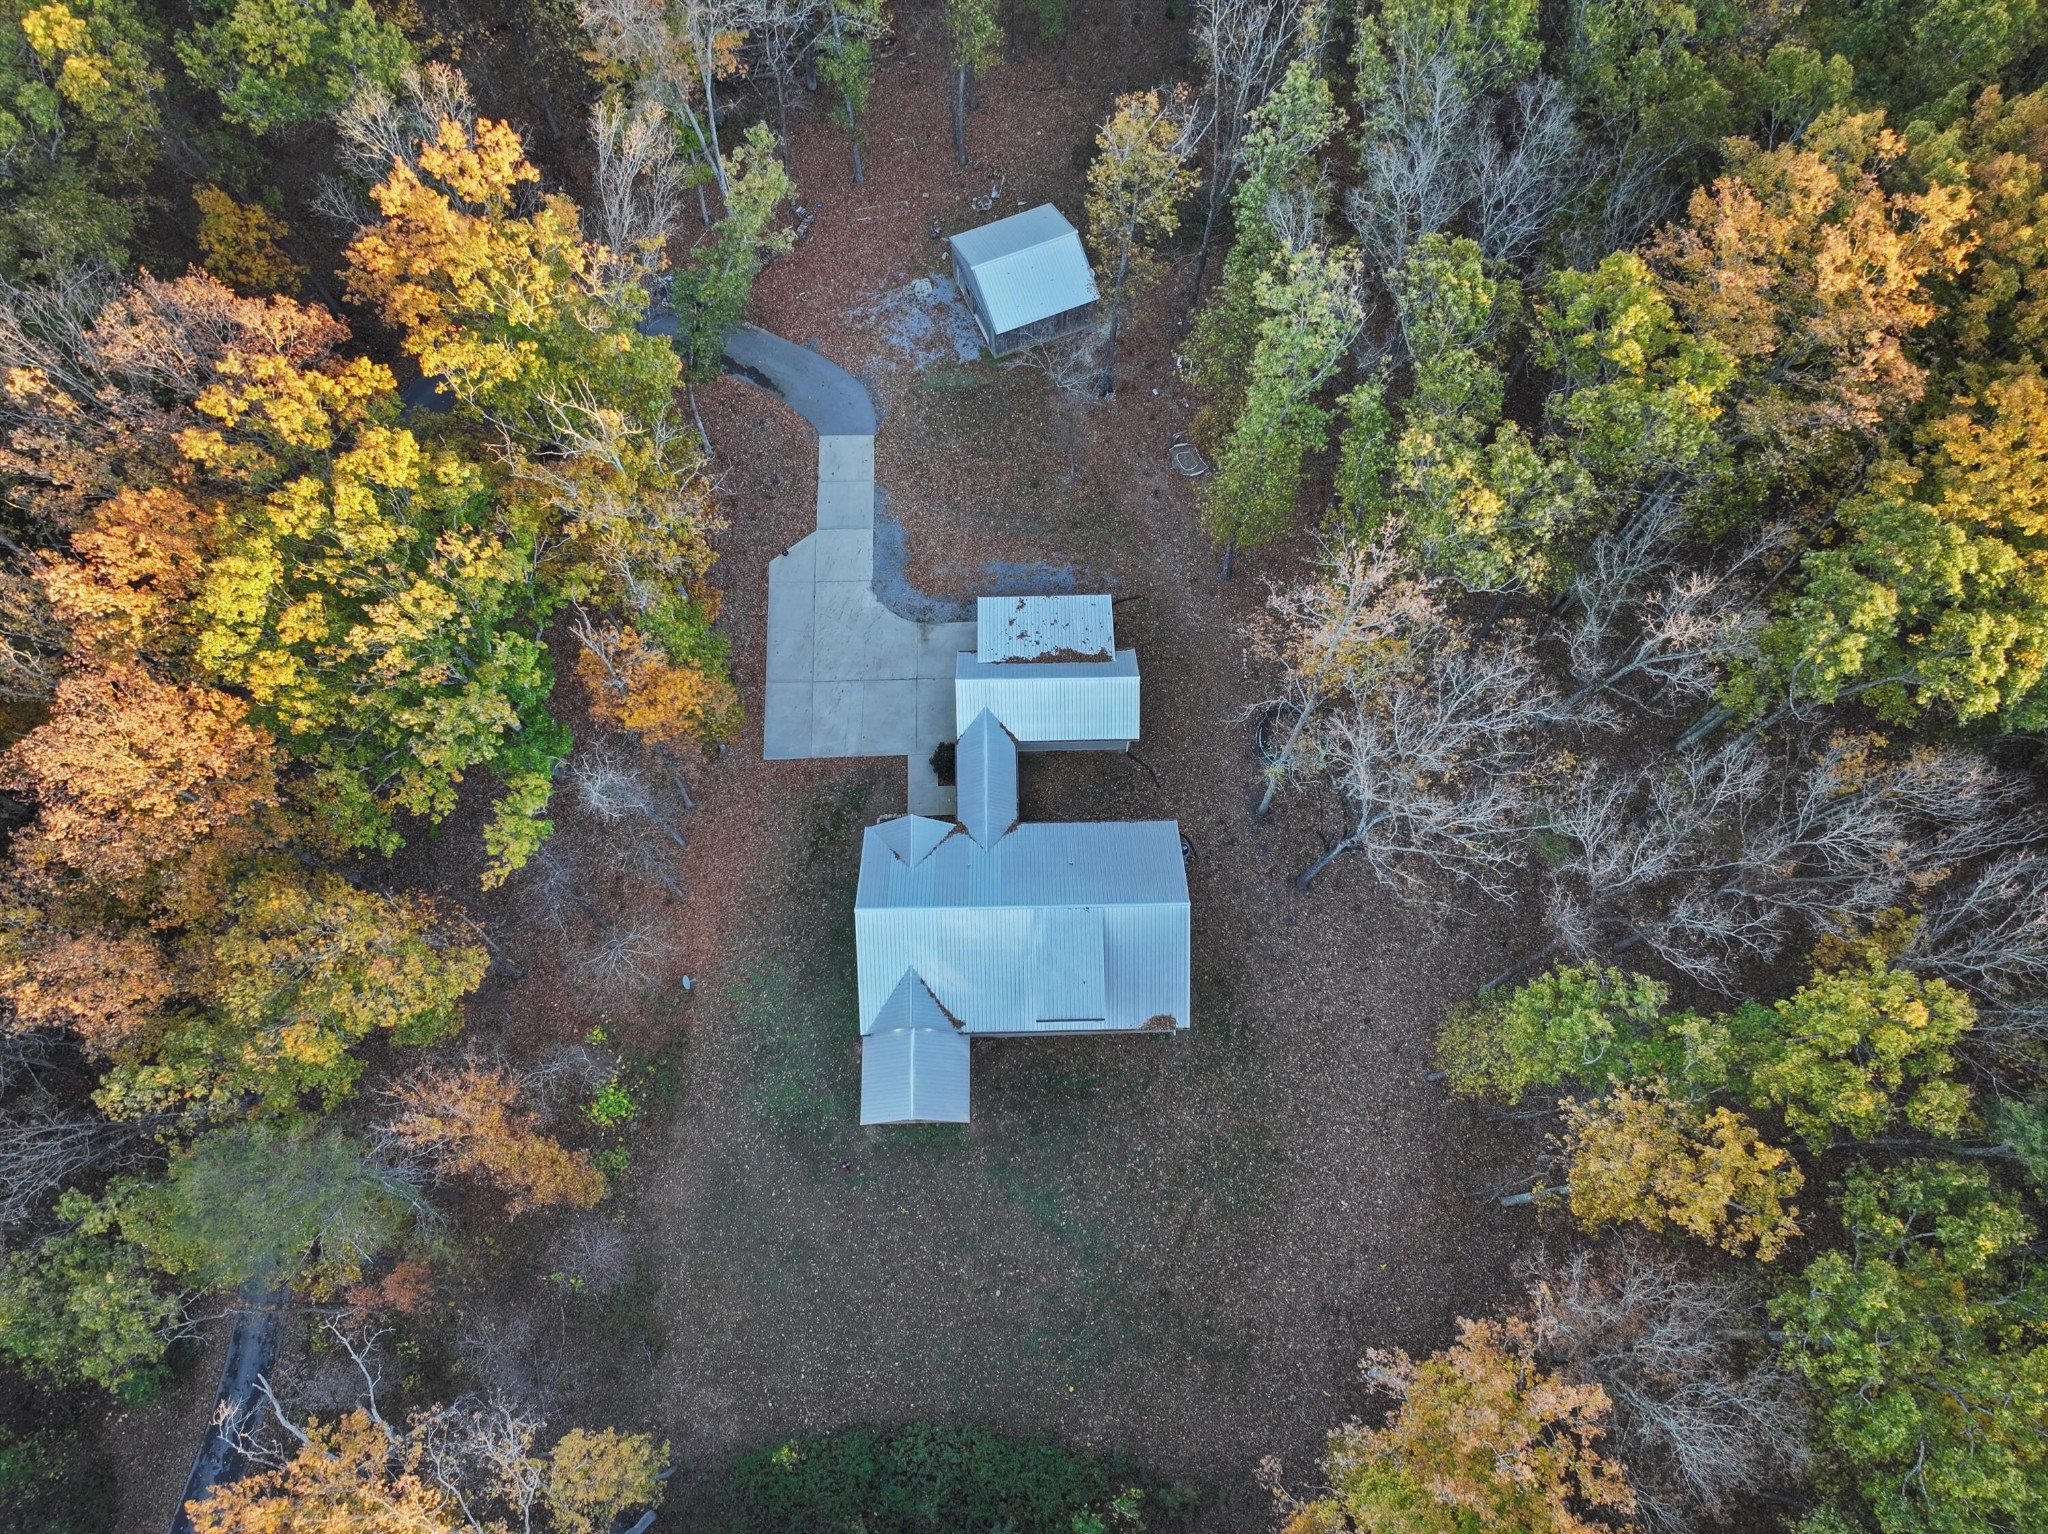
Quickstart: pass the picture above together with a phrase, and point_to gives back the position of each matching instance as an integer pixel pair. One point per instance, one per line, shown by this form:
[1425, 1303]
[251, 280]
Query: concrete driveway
[846, 676]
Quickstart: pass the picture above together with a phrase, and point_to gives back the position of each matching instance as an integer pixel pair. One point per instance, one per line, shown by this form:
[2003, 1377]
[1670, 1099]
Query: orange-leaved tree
[468, 1119]
[1481, 1437]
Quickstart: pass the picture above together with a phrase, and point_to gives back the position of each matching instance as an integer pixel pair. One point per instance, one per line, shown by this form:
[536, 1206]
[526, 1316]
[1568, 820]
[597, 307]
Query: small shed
[1026, 277]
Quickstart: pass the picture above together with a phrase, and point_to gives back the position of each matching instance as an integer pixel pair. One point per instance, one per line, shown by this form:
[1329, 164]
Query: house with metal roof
[1049, 670]
[1026, 277]
[995, 928]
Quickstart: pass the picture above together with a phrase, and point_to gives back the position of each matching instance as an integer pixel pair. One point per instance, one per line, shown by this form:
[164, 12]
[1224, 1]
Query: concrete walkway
[846, 676]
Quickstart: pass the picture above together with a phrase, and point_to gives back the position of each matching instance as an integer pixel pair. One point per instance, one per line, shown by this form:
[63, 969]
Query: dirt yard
[1172, 1248]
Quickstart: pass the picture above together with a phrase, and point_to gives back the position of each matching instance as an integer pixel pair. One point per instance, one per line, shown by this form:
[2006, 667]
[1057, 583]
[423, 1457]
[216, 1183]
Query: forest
[1621, 529]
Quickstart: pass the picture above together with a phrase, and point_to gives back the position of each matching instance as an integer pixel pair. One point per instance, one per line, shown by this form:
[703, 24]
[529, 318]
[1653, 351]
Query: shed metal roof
[1005, 936]
[1028, 267]
[1052, 700]
[1062, 628]
[985, 775]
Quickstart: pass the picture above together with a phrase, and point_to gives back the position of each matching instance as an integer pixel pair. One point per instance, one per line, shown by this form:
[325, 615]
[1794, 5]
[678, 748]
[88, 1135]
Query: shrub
[924, 1480]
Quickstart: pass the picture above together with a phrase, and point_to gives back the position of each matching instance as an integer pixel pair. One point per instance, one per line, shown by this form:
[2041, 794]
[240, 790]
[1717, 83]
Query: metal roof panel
[1052, 700]
[1028, 267]
[1061, 628]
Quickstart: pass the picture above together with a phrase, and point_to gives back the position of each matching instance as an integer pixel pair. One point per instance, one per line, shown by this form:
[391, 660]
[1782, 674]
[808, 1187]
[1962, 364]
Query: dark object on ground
[942, 763]
[252, 1350]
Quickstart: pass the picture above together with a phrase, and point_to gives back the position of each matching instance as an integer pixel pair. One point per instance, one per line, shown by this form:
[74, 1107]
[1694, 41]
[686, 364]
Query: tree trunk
[782, 124]
[1286, 750]
[711, 126]
[960, 115]
[1208, 230]
[1302, 883]
[1704, 726]
[1519, 966]
[1516, 1200]
[1229, 558]
[853, 138]
[1116, 320]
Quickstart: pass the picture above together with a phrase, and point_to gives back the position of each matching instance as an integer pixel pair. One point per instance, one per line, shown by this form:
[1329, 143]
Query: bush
[926, 1480]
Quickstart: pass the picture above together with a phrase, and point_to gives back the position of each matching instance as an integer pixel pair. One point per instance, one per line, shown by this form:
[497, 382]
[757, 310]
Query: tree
[1645, 1157]
[78, 1305]
[593, 1477]
[238, 242]
[846, 63]
[1281, 173]
[306, 968]
[1705, 1416]
[473, 1466]
[1244, 47]
[709, 292]
[468, 1120]
[1935, 597]
[1135, 186]
[1579, 1023]
[1636, 71]
[1855, 1051]
[79, 90]
[141, 786]
[1819, 346]
[274, 63]
[1925, 1346]
[1638, 394]
[266, 1206]
[1481, 1436]
[1483, 505]
[1314, 310]
[973, 45]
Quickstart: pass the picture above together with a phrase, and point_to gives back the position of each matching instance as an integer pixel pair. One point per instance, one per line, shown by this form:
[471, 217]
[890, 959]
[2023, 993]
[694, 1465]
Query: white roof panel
[1052, 700]
[1029, 266]
[1077, 628]
[985, 772]
[914, 1076]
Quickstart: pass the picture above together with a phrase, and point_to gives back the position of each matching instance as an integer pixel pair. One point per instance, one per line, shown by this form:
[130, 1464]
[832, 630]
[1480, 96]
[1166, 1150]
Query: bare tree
[1687, 630]
[1720, 858]
[380, 127]
[1704, 1415]
[1418, 163]
[625, 954]
[1523, 175]
[1431, 761]
[1243, 45]
[1327, 635]
[676, 54]
[640, 181]
[784, 32]
[614, 793]
[1988, 933]
[43, 1148]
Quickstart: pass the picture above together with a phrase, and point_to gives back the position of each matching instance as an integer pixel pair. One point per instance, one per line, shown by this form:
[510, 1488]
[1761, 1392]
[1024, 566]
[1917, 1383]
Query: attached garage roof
[1028, 267]
[1052, 700]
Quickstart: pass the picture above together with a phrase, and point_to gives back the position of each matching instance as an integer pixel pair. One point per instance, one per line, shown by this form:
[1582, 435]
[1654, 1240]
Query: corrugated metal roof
[1067, 965]
[1029, 266]
[985, 773]
[968, 920]
[1076, 628]
[911, 1005]
[1053, 700]
[912, 837]
[914, 1076]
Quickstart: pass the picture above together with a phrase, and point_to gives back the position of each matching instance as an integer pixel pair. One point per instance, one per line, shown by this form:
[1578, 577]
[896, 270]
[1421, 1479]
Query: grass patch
[942, 1480]
[632, 1312]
